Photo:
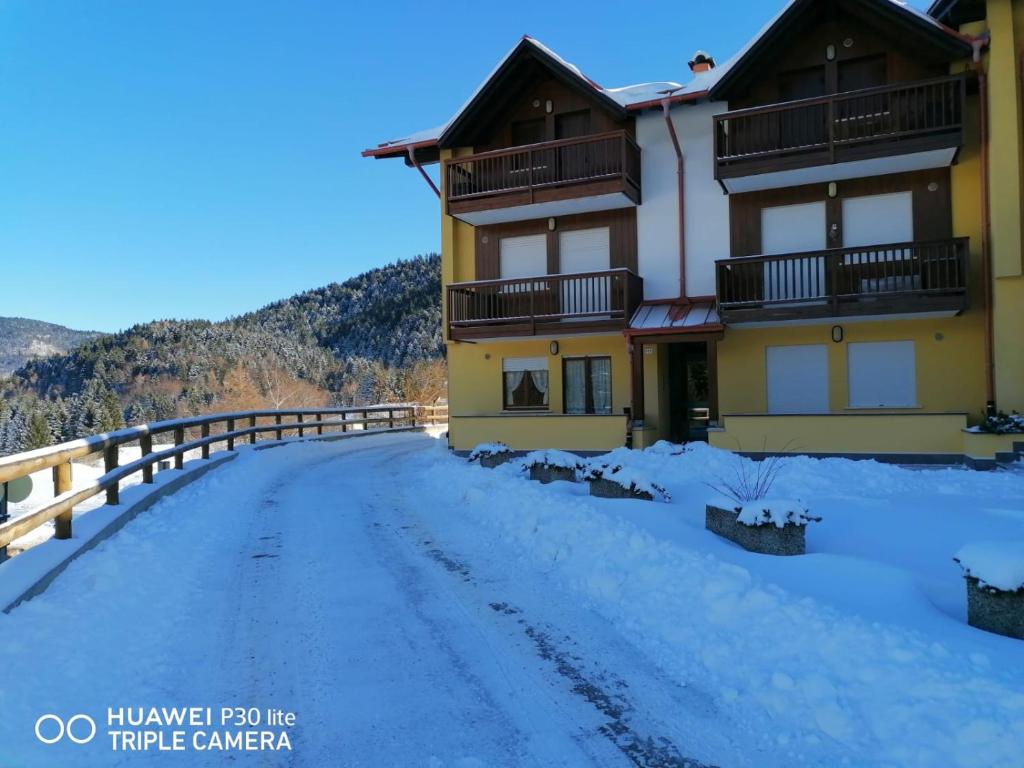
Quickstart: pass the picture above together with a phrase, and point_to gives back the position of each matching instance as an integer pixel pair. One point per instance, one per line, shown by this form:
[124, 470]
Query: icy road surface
[307, 578]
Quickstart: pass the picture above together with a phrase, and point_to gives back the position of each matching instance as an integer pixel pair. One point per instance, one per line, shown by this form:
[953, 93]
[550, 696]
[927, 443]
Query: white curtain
[512, 381]
[601, 384]
[575, 386]
[540, 380]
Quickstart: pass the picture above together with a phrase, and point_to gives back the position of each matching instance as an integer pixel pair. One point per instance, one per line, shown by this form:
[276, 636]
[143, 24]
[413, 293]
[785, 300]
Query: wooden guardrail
[59, 458]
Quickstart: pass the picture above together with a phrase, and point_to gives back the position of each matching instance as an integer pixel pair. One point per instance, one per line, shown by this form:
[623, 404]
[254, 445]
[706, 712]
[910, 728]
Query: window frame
[588, 384]
[505, 407]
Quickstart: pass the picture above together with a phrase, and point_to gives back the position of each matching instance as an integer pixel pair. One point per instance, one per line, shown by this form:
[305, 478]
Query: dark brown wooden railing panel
[586, 159]
[842, 276]
[612, 295]
[820, 128]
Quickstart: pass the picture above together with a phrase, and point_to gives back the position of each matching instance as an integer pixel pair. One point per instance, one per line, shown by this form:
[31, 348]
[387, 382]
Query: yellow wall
[864, 433]
[475, 389]
[531, 432]
[950, 372]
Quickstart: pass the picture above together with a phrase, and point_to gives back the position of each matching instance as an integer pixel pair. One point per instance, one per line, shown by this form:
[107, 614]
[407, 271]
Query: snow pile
[777, 512]
[998, 565]
[853, 662]
[553, 458]
[488, 449]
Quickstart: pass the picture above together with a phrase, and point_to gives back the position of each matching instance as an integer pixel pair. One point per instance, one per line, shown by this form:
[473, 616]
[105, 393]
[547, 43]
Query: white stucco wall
[707, 208]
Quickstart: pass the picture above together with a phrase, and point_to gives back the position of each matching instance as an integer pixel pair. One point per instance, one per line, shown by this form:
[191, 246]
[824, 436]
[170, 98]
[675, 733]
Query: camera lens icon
[80, 729]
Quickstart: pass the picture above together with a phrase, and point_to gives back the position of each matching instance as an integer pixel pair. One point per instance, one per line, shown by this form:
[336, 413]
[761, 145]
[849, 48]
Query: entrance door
[689, 392]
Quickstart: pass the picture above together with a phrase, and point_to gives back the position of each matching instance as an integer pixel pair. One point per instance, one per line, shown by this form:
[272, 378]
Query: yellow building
[795, 251]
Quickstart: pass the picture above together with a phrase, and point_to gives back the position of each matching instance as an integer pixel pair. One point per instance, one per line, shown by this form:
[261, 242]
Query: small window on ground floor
[587, 383]
[797, 378]
[882, 374]
[525, 383]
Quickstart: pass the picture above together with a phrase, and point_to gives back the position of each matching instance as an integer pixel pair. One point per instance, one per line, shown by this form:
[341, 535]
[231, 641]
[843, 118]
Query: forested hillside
[22, 339]
[374, 338]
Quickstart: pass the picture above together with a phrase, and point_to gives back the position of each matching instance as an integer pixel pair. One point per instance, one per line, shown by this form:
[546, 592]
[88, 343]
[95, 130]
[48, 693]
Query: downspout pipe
[416, 164]
[978, 43]
[666, 109]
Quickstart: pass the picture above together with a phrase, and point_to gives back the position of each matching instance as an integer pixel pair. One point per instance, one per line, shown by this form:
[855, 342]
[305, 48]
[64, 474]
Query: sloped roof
[675, 317]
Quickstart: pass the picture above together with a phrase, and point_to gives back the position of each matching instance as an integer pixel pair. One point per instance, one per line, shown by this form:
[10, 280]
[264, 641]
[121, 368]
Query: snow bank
[811, 681]
[552, 458]
[995, 564]
[488, 449]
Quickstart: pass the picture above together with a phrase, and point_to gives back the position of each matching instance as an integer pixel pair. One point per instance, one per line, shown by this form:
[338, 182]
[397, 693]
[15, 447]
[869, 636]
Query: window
[587, 384]
[882, 374]
[525, 256]
[525, 383]
[797, 379]
[794, 229]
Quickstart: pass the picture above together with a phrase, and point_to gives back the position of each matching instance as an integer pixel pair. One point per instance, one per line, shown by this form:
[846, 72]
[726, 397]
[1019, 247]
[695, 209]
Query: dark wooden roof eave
[455, 134]
[426, 152]
[945, 40]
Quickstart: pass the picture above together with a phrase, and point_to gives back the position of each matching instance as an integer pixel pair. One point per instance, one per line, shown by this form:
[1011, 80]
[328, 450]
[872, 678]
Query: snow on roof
[643, 94]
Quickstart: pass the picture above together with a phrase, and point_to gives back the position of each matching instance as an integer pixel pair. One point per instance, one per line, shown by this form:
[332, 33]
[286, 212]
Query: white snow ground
[416, 610]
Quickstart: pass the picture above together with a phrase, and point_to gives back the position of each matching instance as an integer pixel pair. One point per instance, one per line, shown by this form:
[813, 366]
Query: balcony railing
[520, 174]
[573, 303]
[866, 280]
[875, 122]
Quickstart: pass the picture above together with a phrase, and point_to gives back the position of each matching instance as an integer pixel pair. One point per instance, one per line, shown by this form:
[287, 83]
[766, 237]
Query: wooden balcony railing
[877, 279]
[875, 122]
[525, 171]
[575, 303]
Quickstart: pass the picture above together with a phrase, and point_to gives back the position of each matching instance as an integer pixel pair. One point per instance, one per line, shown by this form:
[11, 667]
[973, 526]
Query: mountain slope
[22, 340]
[389, 316]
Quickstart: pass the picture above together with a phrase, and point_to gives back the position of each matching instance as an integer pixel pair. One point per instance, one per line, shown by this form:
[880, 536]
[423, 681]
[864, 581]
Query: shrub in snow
[491, 455]
[613, 481]
[767, 526]
[994, 573]
[550, 466]
[1002, 424]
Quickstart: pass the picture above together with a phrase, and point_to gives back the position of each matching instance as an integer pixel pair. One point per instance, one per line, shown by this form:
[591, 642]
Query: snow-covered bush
[612, 480]
[997, 565]
[551, 465]
[488, 449]
[748, 480]
[1002, 424]
[777, 512]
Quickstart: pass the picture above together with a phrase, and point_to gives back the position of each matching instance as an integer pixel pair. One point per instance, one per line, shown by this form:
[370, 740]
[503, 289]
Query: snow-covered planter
[765, 526]
[613, 481]
[994, 573]
[1001, 424]
[491, 455]
[552, 466]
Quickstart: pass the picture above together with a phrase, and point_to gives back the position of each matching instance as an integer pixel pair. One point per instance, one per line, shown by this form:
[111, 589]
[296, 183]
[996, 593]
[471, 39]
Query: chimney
[701, 62]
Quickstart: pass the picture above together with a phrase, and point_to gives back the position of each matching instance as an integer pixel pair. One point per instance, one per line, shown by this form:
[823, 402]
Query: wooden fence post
[110, 463]
[391, 419]
[146, 446]
[62, 484]
[204, 431]
[277, 420]
[319, 424]
[300, 419]
[179, 438]
[231, 440]
[252, 435]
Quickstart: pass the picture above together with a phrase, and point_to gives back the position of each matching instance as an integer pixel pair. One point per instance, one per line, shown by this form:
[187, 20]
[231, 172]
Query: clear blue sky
[200, 158]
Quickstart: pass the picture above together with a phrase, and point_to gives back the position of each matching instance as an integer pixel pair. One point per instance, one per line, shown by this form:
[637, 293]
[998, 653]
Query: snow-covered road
[309, 579]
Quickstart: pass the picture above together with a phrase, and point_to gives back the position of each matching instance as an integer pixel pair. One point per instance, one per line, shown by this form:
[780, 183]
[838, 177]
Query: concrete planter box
[763, 539]
[606, 489]
[545, 474]
[994, 610]
[495, 459]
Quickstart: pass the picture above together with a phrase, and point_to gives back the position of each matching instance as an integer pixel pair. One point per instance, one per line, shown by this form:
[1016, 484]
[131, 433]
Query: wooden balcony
[873, 280]
[923, 119]
[554, 178]
[585, 302]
